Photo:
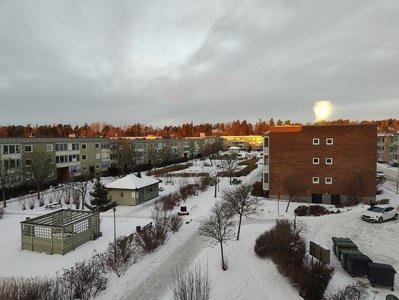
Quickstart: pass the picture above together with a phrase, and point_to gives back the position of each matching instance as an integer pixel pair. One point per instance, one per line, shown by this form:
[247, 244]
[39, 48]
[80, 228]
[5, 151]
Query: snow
[132, 182]
[247, 276]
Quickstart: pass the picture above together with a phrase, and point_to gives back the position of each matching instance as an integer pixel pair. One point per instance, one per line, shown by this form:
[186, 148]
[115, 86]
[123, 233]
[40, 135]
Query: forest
[237, 127]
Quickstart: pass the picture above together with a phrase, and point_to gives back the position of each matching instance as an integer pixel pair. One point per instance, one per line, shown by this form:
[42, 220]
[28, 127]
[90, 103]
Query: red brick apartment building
[328, 164]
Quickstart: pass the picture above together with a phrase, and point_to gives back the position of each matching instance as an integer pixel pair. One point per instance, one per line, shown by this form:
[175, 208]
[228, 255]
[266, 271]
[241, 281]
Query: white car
[380, 175]
[380, 213]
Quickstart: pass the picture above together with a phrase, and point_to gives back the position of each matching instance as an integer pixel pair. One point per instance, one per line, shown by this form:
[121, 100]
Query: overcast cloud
[172, 62]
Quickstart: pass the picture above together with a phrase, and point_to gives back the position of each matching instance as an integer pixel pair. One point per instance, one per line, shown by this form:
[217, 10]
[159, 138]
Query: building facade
[94, 156]
[331, 163]
[243, 142]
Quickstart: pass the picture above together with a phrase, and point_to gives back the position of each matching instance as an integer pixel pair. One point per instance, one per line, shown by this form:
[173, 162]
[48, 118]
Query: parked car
[379, 213]
[380, 175]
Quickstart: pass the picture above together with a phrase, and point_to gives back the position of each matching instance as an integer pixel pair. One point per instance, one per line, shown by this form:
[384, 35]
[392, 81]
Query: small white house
[133, 189]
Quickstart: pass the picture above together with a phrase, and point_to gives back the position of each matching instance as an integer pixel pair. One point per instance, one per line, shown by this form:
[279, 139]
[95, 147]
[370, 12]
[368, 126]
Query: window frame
[328, 180]
[315, 180]
[316, 160]
[31, 148]
[329, 161]
[316, 141]
[329, 141]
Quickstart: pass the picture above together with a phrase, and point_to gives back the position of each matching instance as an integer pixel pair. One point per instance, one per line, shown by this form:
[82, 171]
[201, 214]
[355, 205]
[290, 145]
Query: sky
[172, 62]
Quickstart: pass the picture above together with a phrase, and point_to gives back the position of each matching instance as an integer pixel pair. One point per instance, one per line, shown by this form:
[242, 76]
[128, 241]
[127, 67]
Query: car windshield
[376, 209]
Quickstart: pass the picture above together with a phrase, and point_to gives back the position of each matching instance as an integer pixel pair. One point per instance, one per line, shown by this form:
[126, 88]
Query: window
[49, 160]
[328, 180]
[315, 179]
[266, 160]
[97, 166]
[266, 142]
[28, 148]
[97, 146]
[97, 155]
[28, 162]
[84, 146]
[266, 177]
[329, 161]
[29, 176]
[315, 160]
[50, 173]
[84, 167]
[84, 156]
[329, 141]
[49, 147]
[316, 141]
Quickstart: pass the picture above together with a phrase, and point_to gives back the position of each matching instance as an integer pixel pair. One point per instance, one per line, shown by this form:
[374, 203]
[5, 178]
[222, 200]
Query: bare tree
[229, 164]
[356, 186]
[10, 173]
[214, 175]
[38, 167]
[293, 185]
[218, 226]
[81, 185]
[208, 151]
[238, 201]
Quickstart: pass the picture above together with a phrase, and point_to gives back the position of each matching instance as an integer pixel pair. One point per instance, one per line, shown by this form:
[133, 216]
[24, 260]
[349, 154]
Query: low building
[133, 189]
[59, 232]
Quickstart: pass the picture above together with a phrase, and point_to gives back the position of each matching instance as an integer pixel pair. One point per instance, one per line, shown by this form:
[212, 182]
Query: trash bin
[358, 264]
[381, 274]
[344, 246]
[337, 240]
[391, 297]
[344, 255]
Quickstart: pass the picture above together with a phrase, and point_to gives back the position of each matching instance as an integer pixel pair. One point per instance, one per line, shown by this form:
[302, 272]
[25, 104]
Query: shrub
[84, 280]
[169, 201]
[383, 201]
[282, 238]
[314, 280]
[120, 256]
[192, 284]
[357, 290]
[175, 222]
[22, 203]
[151, 237]
[287, 248]
[315, 210]
[34, 288]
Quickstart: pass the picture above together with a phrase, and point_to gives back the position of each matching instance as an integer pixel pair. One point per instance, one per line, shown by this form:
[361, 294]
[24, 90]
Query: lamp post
[114, 209]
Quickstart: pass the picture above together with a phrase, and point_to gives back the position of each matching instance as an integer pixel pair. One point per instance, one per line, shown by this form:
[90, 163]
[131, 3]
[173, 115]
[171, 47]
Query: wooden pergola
[60, 231]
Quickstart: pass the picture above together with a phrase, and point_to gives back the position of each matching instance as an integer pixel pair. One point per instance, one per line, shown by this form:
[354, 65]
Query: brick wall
[353, 154]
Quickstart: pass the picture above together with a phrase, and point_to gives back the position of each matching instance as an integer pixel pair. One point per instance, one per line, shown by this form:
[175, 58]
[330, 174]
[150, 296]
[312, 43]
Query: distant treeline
[237, 127]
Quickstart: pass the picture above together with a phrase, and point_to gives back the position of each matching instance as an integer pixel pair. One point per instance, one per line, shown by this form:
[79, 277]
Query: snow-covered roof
[132, 181]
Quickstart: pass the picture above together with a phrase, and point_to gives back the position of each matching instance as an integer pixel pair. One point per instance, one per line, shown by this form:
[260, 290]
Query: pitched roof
[132, 182]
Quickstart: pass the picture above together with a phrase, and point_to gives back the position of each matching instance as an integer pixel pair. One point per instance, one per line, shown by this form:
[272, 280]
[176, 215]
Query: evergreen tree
[100, 200]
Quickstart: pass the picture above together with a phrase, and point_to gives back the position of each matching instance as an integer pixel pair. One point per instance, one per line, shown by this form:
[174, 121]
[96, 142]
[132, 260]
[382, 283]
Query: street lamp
[114, 209]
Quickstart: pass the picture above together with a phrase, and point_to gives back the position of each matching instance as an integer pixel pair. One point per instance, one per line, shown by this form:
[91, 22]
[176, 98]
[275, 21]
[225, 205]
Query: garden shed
[133, 189]
[60, 231]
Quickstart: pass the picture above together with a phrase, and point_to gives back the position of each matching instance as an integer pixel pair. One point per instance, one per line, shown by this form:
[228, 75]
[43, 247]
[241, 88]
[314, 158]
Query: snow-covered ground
[247, 277]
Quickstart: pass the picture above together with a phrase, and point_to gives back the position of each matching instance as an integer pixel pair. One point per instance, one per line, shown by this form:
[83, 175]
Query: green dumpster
[344, 245]
[337, 241]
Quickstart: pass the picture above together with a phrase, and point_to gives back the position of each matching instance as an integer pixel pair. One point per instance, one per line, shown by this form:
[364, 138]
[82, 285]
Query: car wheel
[380, 220]
[395, 217]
